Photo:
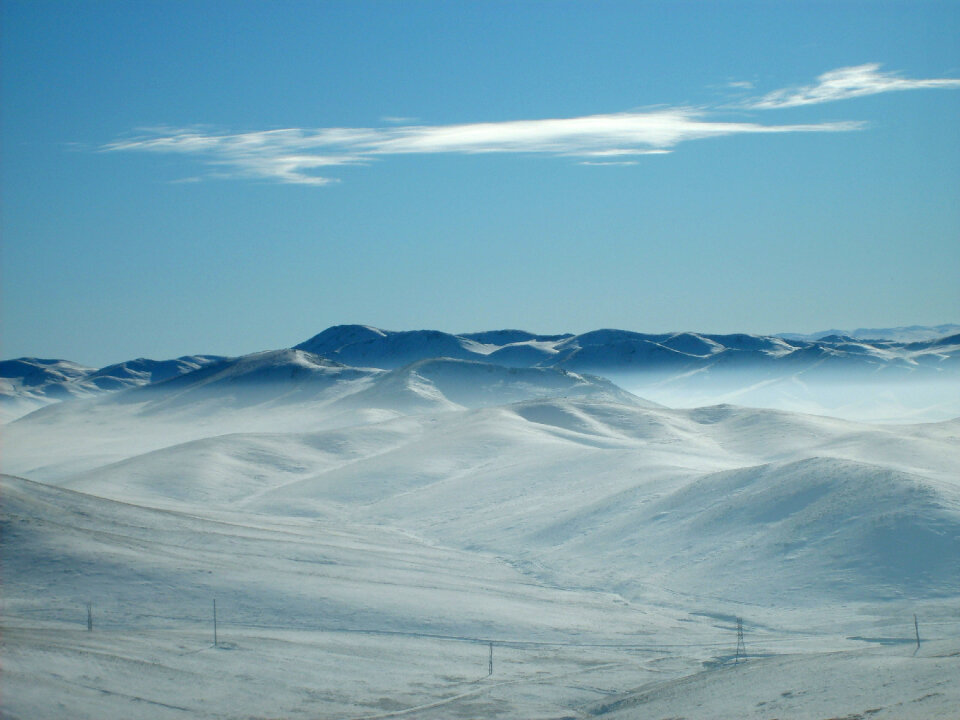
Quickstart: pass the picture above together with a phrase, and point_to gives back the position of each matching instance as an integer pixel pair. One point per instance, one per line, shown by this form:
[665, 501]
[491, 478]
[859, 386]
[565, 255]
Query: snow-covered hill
[372, 530]
[30, 383]
[914, 377]
[908, 334]
[276, 377]
[447, 384]
[274, 391]
[621, 351]
[605, 486]
[604, 547]
[40, 374]
[879, 379]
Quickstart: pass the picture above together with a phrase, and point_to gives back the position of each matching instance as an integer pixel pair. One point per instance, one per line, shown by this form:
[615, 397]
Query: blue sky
[225, 177]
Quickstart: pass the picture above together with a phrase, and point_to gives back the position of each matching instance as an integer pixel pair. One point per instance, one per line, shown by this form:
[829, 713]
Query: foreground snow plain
[369, 535]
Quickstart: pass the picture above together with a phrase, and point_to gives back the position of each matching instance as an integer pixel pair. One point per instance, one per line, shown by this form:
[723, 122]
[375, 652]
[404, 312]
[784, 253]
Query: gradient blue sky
[720, 166]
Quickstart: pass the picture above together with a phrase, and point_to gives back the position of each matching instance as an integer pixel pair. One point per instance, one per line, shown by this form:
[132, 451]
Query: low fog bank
[849, 396]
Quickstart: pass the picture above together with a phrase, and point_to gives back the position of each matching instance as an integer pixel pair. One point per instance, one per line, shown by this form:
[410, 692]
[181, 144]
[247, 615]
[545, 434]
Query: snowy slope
[371, 347]
[39, 374]
[30, 383]
[887, 683]
[276, 391]
[445, 384]
[604, 493]
[143, 371]
[316, 619]
[592, 547]
[368, 528]
[317, 571]
[789, 533]
[276, 376]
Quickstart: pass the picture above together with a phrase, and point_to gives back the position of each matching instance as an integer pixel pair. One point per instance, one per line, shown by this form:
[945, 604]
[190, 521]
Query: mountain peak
[337, 336]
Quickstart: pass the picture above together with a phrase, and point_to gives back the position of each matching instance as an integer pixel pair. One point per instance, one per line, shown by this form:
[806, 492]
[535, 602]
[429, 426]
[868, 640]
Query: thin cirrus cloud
[302, 155]
[844, 83]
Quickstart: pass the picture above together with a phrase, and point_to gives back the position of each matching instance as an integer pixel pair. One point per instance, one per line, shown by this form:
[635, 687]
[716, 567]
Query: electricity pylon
[741, 648]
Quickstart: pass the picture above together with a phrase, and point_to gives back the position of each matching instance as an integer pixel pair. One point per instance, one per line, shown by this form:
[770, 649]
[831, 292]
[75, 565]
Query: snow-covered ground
[369, 536]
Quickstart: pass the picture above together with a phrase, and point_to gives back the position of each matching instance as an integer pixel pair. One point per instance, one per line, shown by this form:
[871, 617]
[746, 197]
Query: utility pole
[741, 648]
[490, 669]
[214, 622]
[916, 629]
[89, 617]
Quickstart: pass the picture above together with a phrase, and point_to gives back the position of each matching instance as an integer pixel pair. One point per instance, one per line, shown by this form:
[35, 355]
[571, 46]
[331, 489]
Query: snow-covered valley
[373, 532]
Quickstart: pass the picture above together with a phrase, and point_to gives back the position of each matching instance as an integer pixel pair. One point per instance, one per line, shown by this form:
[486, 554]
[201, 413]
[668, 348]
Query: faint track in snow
[484, 688]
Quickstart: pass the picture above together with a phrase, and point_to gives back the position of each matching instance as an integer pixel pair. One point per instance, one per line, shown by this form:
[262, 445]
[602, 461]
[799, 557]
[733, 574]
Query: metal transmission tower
[741, 648]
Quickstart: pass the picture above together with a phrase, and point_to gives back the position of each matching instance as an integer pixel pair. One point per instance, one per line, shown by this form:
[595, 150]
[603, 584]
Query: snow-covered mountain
[879, 379]
[39, 374]
[30, 383]
[622, 352]
[884, 380]
[364, 346]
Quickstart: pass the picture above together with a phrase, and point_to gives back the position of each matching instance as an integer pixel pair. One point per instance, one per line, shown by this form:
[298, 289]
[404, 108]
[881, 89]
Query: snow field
[366, 535]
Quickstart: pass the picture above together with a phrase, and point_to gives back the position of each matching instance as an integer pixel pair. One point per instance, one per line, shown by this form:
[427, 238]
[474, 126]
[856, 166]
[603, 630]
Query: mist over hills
[906, 334]
[674, 368]
[369, 488]
[829, 509]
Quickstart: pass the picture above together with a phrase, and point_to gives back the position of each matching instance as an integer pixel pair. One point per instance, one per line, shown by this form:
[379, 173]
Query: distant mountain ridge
[30, 383]
[57, 378]
[620, 351]
[906, 334]
[676, 361]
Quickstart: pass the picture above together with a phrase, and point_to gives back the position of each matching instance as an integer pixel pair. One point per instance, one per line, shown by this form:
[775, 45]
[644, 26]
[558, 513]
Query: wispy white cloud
[844, 83]
[297, 155]
[607, 163]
